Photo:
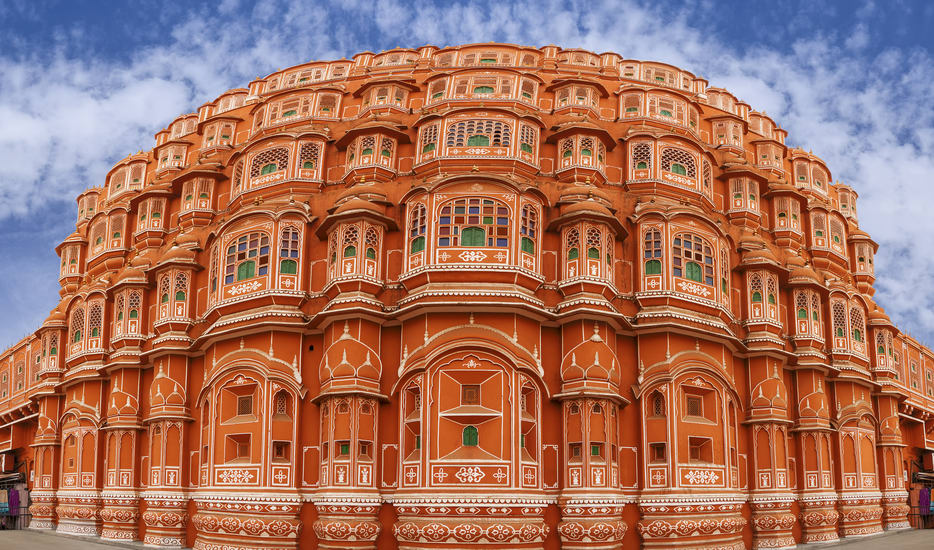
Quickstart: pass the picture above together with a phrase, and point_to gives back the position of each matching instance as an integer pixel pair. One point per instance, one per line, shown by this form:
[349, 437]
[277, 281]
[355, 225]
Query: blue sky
[82, 86]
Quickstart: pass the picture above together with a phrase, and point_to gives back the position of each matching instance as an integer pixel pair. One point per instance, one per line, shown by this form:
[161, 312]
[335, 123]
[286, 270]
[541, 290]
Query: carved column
[166, 514]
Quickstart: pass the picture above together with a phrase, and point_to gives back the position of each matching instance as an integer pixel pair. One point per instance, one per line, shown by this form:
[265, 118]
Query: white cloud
[866, 112]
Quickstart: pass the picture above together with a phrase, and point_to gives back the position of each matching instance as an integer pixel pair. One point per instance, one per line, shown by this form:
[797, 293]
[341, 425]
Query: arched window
[164, 289]
[181, 286]
[839, 319]
[474, 221]
[270, 161]
[679, 161]
[309, 159]
[371, 243]
[658, 404]
[288, 251]
[247, 257]
[77, 325]
[652, 252]
[349, 242]
[573, 244]
[692, 258]
[133, 304]
[857, 324]
[470, 436]
[95, 315]
[417, 227]
[593, 243]
[642, 156]
[429, 139]
[529, 228]
[479, 133]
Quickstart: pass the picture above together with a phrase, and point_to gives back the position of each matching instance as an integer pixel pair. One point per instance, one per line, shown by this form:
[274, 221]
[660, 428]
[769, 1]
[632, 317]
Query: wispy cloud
[864, 108]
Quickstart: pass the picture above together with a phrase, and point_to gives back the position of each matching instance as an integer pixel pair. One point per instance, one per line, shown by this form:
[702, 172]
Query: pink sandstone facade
[485, 296]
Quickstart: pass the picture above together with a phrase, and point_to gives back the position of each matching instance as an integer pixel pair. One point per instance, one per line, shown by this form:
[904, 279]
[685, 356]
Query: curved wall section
[488, 295]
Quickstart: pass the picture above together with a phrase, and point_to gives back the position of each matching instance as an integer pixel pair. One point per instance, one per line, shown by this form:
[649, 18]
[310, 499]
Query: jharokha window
[268, 166]
[370, 151]
[479, 133]
[692, 258]
[652, 252]
[247, 257]
[588, 251]
[473, 221]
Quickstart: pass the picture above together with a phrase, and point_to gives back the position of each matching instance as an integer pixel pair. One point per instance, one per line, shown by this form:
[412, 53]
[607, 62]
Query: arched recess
[249, 435]
[470, 415]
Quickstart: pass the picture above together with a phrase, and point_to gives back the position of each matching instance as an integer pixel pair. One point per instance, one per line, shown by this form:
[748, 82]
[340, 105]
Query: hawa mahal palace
[485, 296]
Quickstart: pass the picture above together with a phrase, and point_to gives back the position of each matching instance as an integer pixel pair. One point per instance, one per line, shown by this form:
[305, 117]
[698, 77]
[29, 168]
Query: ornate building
[489, 296]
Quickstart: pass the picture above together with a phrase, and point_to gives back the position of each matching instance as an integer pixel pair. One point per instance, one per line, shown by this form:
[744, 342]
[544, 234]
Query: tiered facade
[489, 296]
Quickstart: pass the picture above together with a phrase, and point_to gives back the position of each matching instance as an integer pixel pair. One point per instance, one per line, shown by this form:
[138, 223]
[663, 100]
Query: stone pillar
[244, 522]
[166, 519]
[42, 509]
[818, 517]
[696, 524]
[120, 515]
[79, 511]
[592, 523]
[772, 522]
[351, 523]
[895, 510]
[860, 514]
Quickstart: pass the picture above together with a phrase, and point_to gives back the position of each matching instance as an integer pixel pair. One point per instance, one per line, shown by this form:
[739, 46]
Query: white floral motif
[702, 477]
[472, 256]
[694, 288]
[470, 474]
[236, 476]
[244, 288]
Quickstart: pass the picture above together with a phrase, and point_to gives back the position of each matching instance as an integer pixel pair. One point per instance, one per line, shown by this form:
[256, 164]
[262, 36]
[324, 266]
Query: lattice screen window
[327, 105]
[77, 325]
[309, 156]
[528, 139]
[572, 243]
[857, 324]
[181, 286]
[133, 304]
[839, 319]
[479, 133]
[429, 138]
[95, 317]
[436, 90]
[642, 156]
[118, 182]
[371, 243]
[679, 161]
[820, 179]
[269, 162]
[119, 307]
[238, 177]
[801, 171]
[116, 226]
[708, 179]
[349, 241]
[819, 223]
[632, 104]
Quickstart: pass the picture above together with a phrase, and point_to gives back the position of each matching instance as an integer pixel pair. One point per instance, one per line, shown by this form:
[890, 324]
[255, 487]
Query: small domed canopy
[770, 393]
[349, 362]
[591, 362]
